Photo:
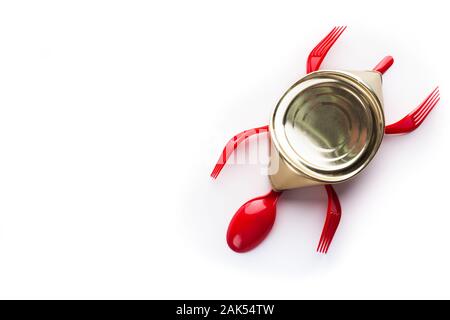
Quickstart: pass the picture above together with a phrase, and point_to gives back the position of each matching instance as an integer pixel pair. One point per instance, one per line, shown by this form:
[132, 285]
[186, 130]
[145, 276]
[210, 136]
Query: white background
[112, 114]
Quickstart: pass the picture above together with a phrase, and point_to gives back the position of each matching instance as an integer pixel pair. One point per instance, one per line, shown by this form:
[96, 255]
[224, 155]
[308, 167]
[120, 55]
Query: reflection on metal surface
[326, 128]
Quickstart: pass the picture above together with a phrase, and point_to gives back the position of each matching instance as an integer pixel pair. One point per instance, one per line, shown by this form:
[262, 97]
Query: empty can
[326, 128]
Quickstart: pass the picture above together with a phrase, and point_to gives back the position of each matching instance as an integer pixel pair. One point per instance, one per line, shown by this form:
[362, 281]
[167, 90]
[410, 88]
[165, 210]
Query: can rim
[375, 106]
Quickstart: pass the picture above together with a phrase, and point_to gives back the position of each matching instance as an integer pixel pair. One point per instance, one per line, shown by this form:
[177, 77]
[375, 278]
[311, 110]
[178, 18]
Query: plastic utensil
[317, 55]
[232, 145]
[332, 220]
[384, 64]
[252, 222]
[415, 118]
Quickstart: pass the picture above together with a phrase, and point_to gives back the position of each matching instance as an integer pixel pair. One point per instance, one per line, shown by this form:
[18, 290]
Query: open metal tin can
[326, 128]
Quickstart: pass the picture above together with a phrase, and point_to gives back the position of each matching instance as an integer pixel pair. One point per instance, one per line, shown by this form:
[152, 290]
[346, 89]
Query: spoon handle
[384, 64]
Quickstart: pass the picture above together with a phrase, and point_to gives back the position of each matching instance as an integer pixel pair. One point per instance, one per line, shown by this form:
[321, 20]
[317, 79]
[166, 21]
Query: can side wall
[282, 176]
[374, 80]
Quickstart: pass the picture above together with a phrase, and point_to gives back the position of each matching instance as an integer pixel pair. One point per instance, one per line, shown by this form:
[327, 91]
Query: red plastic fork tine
[415, 118]
[232, 145]
[323, 236]
[329, 230]
[334, 38]
[425, 101]
[319, 52]
[332, 220]
[421, 109]
[418, 118]
[326, 47]
[322, 44]
[333, 227]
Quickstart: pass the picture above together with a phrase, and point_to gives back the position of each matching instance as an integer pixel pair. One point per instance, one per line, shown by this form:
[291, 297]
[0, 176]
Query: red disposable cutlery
[253, 221]
[317, 55]
[384, 64]
[332, 220]
[415, 118]
[232, 145]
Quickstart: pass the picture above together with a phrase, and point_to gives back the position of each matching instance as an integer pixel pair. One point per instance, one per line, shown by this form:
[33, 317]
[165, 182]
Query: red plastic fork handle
[384, 64]
[403, 126]
[313, 64]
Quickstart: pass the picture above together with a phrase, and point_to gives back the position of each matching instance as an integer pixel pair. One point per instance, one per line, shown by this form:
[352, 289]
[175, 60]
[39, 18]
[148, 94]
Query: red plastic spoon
[252, 222]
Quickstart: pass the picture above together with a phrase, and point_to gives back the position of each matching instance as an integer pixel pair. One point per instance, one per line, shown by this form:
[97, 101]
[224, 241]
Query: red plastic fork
[415, 118]
[232, 145]
[317, 55]
[332, 220]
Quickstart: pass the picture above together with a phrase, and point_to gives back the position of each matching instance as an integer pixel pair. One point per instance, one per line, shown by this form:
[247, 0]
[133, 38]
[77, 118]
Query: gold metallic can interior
[327, 126]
